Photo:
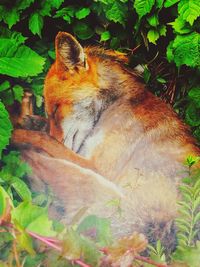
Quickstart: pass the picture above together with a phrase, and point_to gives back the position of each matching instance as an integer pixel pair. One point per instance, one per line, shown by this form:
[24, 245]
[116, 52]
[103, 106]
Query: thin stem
[149, 261]
[16, 255]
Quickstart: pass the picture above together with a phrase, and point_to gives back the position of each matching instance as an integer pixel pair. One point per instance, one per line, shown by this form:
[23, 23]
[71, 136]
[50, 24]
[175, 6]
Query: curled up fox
[128, 146]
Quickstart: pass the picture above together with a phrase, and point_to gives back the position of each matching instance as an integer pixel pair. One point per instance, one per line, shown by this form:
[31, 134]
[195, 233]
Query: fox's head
[80, 85]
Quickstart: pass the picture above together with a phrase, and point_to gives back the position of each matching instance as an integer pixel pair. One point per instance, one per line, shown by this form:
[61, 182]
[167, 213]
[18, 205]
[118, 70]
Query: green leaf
[17, 37]
[56, 3]
[82, 13]
[189, 256]
[18, 92]
[83, 30]
[159, 3]
[3, 200]
[21, 188]
[169, 3]
[152, 36]
[180, 26]
[23, 4]
[193, 94]
[19, 61]
[33, 218]
[193, 114]
[189, 10]
[5, 127]
[4, 86]
[143, 7]
[11, 17]
[105, 36]
[117, 12]
[186, 49]
[66, 11]
[153, 20]
[36, 23]
[97, 228]
[25, 242]
[162, 30]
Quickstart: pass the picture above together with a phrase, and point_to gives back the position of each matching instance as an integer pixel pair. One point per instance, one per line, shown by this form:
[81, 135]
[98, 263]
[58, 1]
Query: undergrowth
[29, 238]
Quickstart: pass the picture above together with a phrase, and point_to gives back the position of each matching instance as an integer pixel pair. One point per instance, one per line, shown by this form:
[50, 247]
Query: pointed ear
[69, 53]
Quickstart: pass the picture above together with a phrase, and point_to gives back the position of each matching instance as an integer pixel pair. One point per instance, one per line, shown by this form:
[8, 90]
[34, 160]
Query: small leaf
[143, 7]
[18, 92]
[56, 3]
[4, 86]
[11, 17]
[82, 13]
[153, 20]
[152, 36]
[105, 36]
[83, 30]
[169, 3]
[162, 30]
[36, 23]
[197, 218]
[21, 188]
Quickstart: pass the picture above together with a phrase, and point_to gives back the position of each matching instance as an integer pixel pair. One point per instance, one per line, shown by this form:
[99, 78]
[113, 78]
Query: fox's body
[136, 143]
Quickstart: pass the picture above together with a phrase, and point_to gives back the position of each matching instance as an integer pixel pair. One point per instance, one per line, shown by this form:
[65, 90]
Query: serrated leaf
[82, 13]
[83, 30]
[169, 3]
[143, 7]
[153, 36]
[180, 26]
[5, 127]
[105, 36]
[21, 188]
[186, 49]
[33, 218]
[153, 20]
[97, 228]
[117, 12]
[17, 37]
[19, 61]
[4, 86]
[11, 17]
[56, 3]
[189, 10]
[36, 23]
[18, 92]
[23, 4]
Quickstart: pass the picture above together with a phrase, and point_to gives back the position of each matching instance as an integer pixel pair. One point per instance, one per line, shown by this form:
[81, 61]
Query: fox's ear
[69, 53]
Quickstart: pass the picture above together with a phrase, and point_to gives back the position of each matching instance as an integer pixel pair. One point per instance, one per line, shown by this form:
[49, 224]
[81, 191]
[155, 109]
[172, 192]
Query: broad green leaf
[153, 20]
[11, 17]
[4, 86]
[180, 26]
[33, 218]
[17, 37]
[82, 13]
[105, 36]
[5, 127]
[189, 10]
[21, 188]
[153, 36]
[83, 30]
[18, 92]
[23, 4]
[143, 7]
[45, 8]
[117, 12]
[186, 49]
[56, 3]
[96, 228]
[169, 3]
[19, 61]
[36, 23]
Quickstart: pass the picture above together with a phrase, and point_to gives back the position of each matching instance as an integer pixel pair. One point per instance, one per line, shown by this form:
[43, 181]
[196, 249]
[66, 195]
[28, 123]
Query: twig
[16, 255]
[147, 260]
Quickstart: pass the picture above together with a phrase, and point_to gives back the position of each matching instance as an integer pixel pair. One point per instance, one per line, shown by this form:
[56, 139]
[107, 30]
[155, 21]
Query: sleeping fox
[127, 146]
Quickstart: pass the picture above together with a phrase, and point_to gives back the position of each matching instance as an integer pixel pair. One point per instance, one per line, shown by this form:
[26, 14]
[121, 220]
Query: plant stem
[149, 261]
[16, 255]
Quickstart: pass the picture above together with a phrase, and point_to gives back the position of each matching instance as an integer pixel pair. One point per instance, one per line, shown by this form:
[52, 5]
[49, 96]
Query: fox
[125, 147]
